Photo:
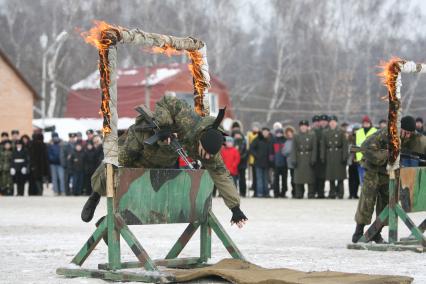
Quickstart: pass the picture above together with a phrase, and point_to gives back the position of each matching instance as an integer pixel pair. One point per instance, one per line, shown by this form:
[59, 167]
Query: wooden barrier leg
[224, 237]
[393, 218]
[410, 224]
[205, 242]
[182, 241]
[376, 226]
[113, 233]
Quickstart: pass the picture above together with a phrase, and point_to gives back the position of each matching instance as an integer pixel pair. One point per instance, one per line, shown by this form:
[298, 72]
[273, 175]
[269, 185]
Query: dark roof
[19, 74]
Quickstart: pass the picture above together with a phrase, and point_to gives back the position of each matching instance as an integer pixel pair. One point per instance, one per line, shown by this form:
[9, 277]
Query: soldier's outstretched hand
[238, 217]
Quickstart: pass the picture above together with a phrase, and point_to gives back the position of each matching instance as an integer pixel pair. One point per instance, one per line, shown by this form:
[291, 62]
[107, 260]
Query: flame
[97, 37]
[389, 76]
[195, 67]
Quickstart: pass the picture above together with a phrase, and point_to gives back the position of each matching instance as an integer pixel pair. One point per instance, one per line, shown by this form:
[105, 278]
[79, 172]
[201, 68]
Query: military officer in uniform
[304, 157]
[320, 166]
[375, 189]
[334, 154]
[200, 137]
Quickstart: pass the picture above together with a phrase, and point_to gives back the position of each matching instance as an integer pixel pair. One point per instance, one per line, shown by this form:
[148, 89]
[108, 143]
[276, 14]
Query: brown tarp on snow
[238, 271]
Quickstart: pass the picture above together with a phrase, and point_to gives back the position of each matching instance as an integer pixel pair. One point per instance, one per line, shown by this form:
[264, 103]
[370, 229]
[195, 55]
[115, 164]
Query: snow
[40, 234]
[160, 75]
[68, 125]
[88, 83]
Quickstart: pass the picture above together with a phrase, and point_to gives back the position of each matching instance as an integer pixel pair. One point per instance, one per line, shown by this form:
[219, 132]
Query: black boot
[378, 239]
[359, 231]
[90, 207]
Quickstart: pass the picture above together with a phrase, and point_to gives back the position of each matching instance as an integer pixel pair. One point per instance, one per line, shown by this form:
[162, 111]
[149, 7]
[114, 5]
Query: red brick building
[132, 83]
[17, 98]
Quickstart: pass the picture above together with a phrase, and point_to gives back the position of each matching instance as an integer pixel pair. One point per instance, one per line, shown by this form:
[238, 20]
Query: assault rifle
[404, 154]
[162, 134]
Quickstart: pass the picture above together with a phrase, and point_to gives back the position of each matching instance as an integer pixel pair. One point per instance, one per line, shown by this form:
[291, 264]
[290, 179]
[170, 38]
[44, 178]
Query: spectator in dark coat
[279, 163]
[77, 168]
[260, 150]
[39, 164]
[15, 137]
[419, 126]
[241, 145]
[288, 145]
[20, 166]
[97, 143]
[26, 141]
[90, 165]
[55, 154]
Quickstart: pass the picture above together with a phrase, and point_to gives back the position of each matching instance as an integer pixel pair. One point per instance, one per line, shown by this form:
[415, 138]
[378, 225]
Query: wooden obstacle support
[407, 195]
[154, 196]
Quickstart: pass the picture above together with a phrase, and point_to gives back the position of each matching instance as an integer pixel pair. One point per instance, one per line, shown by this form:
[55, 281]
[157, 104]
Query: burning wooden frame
[105, 38]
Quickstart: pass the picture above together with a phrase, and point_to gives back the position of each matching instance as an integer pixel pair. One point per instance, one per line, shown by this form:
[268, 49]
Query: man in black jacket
[279, 163]
[260, 149]
[20, 167]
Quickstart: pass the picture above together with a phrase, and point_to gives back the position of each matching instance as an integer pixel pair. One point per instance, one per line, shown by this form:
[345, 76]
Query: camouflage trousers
[98, 180]
[375, 191]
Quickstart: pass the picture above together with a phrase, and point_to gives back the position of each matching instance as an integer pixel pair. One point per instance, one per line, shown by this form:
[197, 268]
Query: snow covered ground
[39, 234]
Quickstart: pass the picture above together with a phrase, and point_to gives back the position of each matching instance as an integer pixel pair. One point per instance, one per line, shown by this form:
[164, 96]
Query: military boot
[90, 207]
[378, 239]
[359, 231]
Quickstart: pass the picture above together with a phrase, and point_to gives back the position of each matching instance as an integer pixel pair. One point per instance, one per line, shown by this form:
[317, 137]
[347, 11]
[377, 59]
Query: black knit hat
[408, 123]
[304, 122]
[315, 118]
[419, 119]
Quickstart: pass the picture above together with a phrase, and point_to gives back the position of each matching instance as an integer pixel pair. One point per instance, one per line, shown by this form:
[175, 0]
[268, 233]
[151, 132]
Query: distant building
[173, 79]
[17, 98]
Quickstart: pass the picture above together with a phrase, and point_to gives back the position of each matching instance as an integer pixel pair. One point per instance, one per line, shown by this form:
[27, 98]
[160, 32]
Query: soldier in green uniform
[320, 166]
[334, 154]
[6, 181]
[375, 189]
[200, 137]
[304, 157]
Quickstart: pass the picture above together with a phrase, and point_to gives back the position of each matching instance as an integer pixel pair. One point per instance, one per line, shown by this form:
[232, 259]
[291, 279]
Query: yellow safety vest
[360, 137]
[250, 137]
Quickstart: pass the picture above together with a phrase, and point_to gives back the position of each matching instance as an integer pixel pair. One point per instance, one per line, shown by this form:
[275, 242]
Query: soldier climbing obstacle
[199, 136]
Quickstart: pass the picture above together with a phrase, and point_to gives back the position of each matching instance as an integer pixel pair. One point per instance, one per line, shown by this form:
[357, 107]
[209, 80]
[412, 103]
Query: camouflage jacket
[183, 120]
[5, 160]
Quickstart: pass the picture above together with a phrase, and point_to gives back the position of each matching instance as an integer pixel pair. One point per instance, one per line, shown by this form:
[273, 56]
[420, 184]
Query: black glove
[237, 215]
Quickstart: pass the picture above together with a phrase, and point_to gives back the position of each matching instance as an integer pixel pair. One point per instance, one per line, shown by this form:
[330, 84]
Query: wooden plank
[385, 247]
[113, 236]
[224, 237]
[410, 225]
[183, 240]
[170, 263]
[144, 276]
[90, 244]
[205, 242]
[393, 218]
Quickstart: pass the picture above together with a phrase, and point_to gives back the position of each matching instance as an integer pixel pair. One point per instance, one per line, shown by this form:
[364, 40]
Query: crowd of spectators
[67, 165]
[275, 162]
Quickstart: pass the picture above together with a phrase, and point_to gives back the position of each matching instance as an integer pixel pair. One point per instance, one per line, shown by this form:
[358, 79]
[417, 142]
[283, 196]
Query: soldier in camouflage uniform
[6, 181]
[375, 189]
[334, 155]
[304, 157]
[197, 135]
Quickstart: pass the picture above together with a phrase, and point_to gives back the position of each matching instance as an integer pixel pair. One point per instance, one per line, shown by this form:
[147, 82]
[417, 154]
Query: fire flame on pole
[389, 77]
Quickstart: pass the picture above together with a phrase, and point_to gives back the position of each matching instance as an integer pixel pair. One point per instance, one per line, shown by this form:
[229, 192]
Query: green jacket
[304, 155]
[334, 153]
[183, 120]
[320, 170]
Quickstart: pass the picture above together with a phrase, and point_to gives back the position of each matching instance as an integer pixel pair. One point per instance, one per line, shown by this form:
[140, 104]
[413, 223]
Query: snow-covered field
[39, 234]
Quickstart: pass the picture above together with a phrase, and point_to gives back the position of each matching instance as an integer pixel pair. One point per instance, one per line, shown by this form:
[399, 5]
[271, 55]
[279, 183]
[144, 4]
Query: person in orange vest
[251, 135]
[361, 135]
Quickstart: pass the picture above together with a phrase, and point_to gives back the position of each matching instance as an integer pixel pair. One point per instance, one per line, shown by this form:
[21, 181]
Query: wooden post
[205, 242]
[113, 233]
[393, 199]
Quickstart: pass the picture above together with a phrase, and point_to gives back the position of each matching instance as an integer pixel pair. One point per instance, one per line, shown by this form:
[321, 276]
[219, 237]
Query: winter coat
[77, 161]
[54, 152]
[334, 153]
[241, 145]
[67, 150]
[90, 161]
[5, 164]
[20, 164]
[277, 156]
[231, 158]
[260, 149]
[304, 157]
[99, 154]
[286, 151]
[39, 162]
[319, 165]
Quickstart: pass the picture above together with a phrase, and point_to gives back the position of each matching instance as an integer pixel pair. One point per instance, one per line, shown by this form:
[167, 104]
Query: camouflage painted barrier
[154, 196]
[413, 189]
